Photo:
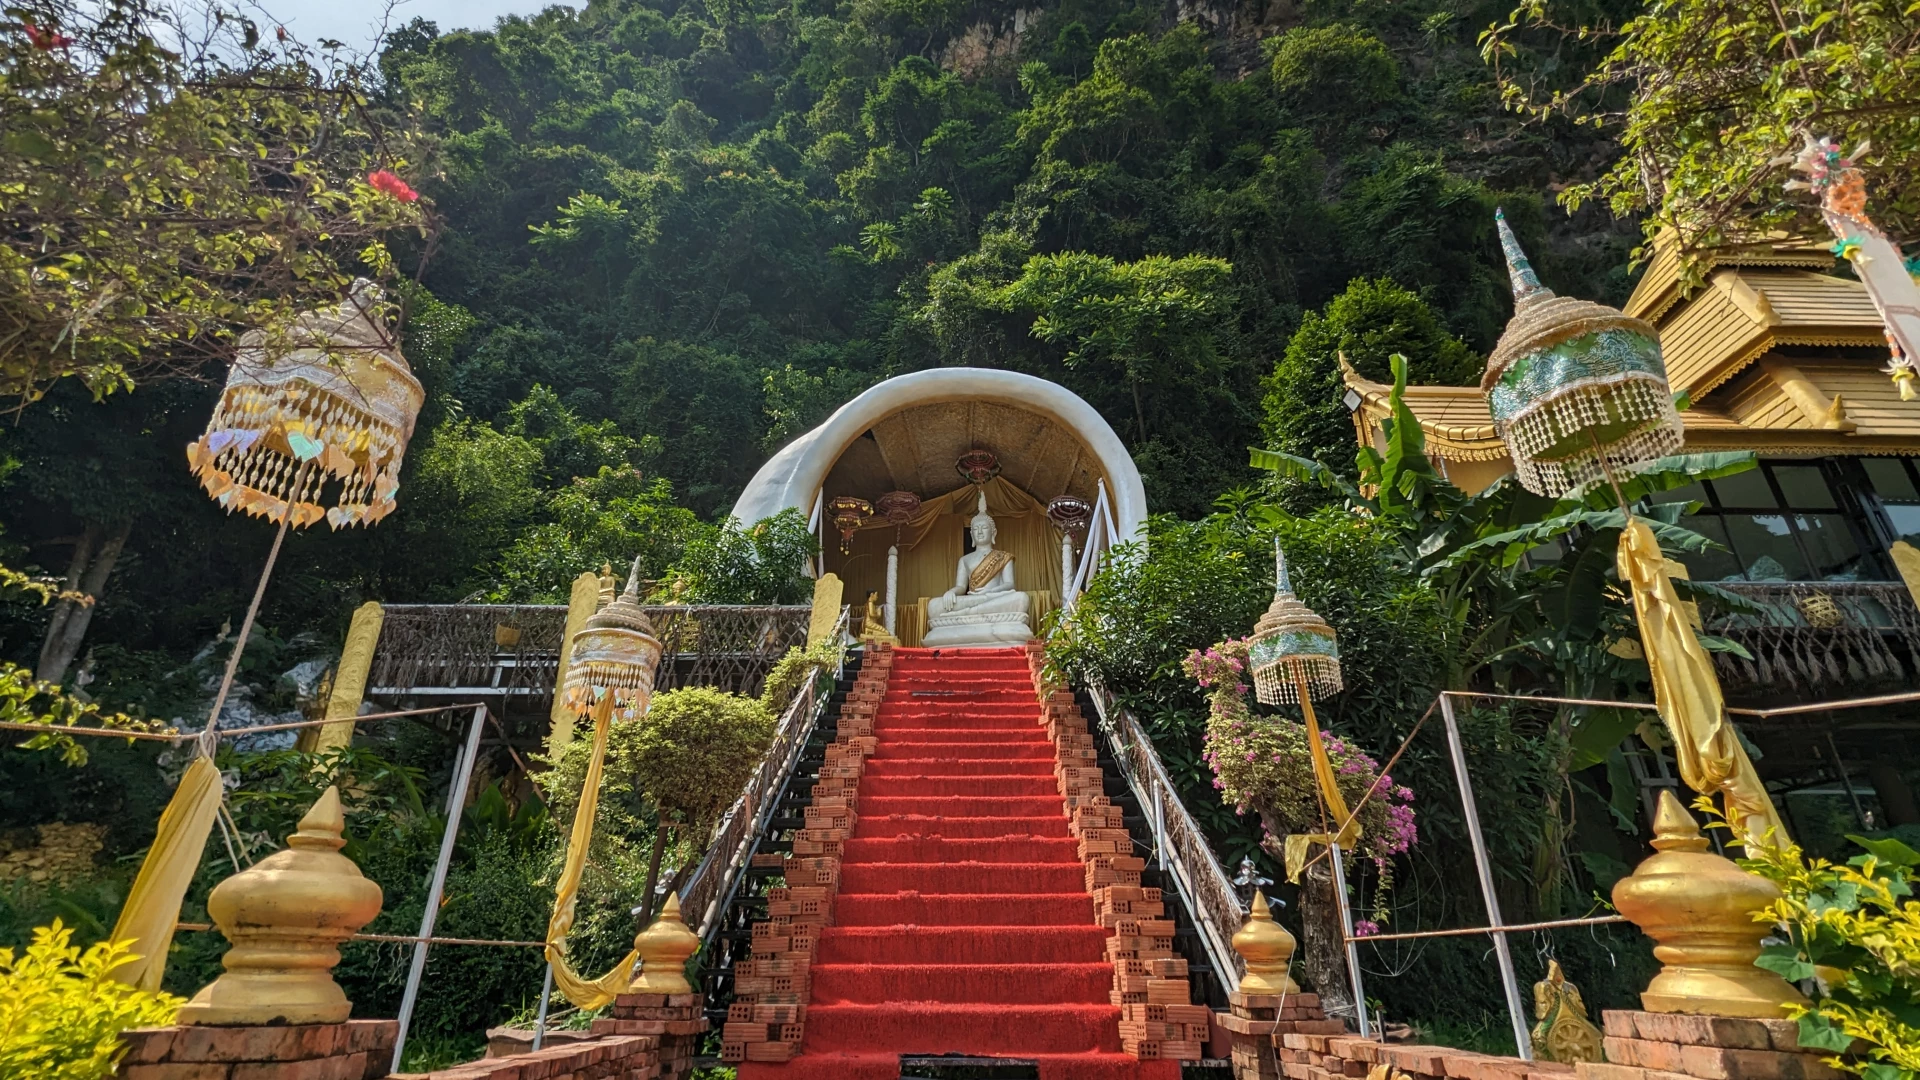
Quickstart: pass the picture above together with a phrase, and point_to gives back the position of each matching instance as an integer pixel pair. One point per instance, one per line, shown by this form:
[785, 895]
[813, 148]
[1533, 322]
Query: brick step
[1013, 984]
[963, 909]
[963, 877]
[962, 741]
[880, 789]
[985, 827]
[962, 806]
[982, 842]
[961, 944]
[1029, 762]
[941, 1028]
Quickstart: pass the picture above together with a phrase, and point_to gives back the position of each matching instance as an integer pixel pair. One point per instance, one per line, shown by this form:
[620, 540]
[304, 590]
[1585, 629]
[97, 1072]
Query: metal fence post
[1346, 932]
[546, 996]
[1515, 1009]
[456, 798]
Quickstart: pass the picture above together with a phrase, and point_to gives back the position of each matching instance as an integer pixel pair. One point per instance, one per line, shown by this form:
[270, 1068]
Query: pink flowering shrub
[1262, 763]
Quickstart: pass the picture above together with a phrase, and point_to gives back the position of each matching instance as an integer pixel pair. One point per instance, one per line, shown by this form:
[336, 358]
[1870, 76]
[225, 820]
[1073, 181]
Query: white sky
[356, 21]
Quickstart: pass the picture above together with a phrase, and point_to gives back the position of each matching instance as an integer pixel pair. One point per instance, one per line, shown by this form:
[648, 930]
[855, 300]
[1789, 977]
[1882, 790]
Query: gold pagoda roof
[1664, 283]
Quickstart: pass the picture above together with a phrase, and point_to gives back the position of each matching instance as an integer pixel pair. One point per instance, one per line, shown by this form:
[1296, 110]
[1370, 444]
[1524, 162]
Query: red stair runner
[962, 924]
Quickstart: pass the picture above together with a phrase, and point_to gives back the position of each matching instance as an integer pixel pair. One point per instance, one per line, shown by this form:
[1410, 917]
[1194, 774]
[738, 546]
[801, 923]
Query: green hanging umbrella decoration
[1577, 389]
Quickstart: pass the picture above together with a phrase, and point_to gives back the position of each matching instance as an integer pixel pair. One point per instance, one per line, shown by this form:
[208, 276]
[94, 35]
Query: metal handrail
[1181, 846]
[750, 813]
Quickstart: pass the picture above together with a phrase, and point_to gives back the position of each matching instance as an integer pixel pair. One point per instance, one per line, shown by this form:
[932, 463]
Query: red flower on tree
[45, 40]
[384, 181]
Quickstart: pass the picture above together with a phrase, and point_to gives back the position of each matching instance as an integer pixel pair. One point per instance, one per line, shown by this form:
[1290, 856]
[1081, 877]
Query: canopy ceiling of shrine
[915, 450]
[905, 434]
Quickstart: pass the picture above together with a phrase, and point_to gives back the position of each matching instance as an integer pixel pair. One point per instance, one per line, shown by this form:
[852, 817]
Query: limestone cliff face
[988, 42]
[1239, 26]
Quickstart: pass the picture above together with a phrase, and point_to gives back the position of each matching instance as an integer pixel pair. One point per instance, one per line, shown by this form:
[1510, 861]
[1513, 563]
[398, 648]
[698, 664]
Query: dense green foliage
[1365, 325]
[685, 761]
[1711, 98]
[672, 236]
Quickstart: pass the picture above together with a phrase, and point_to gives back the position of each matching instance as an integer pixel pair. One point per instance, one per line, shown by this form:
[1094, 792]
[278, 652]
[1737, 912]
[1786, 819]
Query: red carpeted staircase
[962, 922]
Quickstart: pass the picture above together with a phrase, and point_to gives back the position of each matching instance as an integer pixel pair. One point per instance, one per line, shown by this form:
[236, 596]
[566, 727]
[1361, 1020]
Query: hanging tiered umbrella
[326, 420]
[1579, 393]
[321, 415]
[1577, 389]
[848, 513]
[1295, 657]
[610, 671]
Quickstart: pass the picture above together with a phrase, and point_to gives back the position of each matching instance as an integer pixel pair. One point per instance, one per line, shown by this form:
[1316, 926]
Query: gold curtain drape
[584, 993]
[933, 541]
[153, 904]
[1687, 693]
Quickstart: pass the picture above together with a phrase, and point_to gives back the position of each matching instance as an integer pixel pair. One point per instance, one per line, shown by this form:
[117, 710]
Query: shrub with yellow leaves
[62, 1011]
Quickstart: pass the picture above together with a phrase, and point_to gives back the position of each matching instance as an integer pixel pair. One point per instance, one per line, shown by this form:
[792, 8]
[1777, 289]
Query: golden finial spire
[1268, 950]
[286, 917]
[1698, 907]
[664, 948]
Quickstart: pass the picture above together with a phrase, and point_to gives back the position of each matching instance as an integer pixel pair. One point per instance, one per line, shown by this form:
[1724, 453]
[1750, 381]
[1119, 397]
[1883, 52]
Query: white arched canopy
[907, 432]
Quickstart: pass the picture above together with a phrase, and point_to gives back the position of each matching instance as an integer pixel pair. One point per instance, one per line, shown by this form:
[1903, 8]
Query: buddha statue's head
[982, 527]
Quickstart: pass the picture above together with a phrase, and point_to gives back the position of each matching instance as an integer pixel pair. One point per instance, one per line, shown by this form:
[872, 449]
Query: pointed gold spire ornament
[286, 916]
[664, 948]
[1575, 388]
[1698, 907]
[1267, 948]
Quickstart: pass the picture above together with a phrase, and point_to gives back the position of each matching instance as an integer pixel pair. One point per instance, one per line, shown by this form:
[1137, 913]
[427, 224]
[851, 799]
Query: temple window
[1786, 521]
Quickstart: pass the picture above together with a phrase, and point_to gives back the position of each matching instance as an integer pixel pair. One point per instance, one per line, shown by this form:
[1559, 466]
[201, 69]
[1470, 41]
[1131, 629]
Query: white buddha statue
[983, 609]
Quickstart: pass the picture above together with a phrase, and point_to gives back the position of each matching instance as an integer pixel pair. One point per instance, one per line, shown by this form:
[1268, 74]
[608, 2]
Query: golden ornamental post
[664, 948]
[286, 916]
[1698, 907]
[1267, 948]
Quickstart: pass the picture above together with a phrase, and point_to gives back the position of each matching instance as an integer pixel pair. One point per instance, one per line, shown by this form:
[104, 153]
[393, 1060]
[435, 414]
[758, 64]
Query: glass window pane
[1890, 480]
[1830, 544]
[1690, 493]
[1765, 547]
[1804, 487]
[1906, 521]
[1747, 491]
[1715, 565]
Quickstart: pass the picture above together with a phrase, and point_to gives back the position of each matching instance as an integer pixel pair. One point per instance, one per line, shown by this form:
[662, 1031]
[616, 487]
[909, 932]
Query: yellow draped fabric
[1687, 693]
[153, 904]
[1336, 803]
[1337, 812]
[933, 541]
[584, 993]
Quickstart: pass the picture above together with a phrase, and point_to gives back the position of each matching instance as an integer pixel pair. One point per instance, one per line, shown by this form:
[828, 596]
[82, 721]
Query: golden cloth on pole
[1296, 845]
[584, 993]
[1687, 694]
[153, 904]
